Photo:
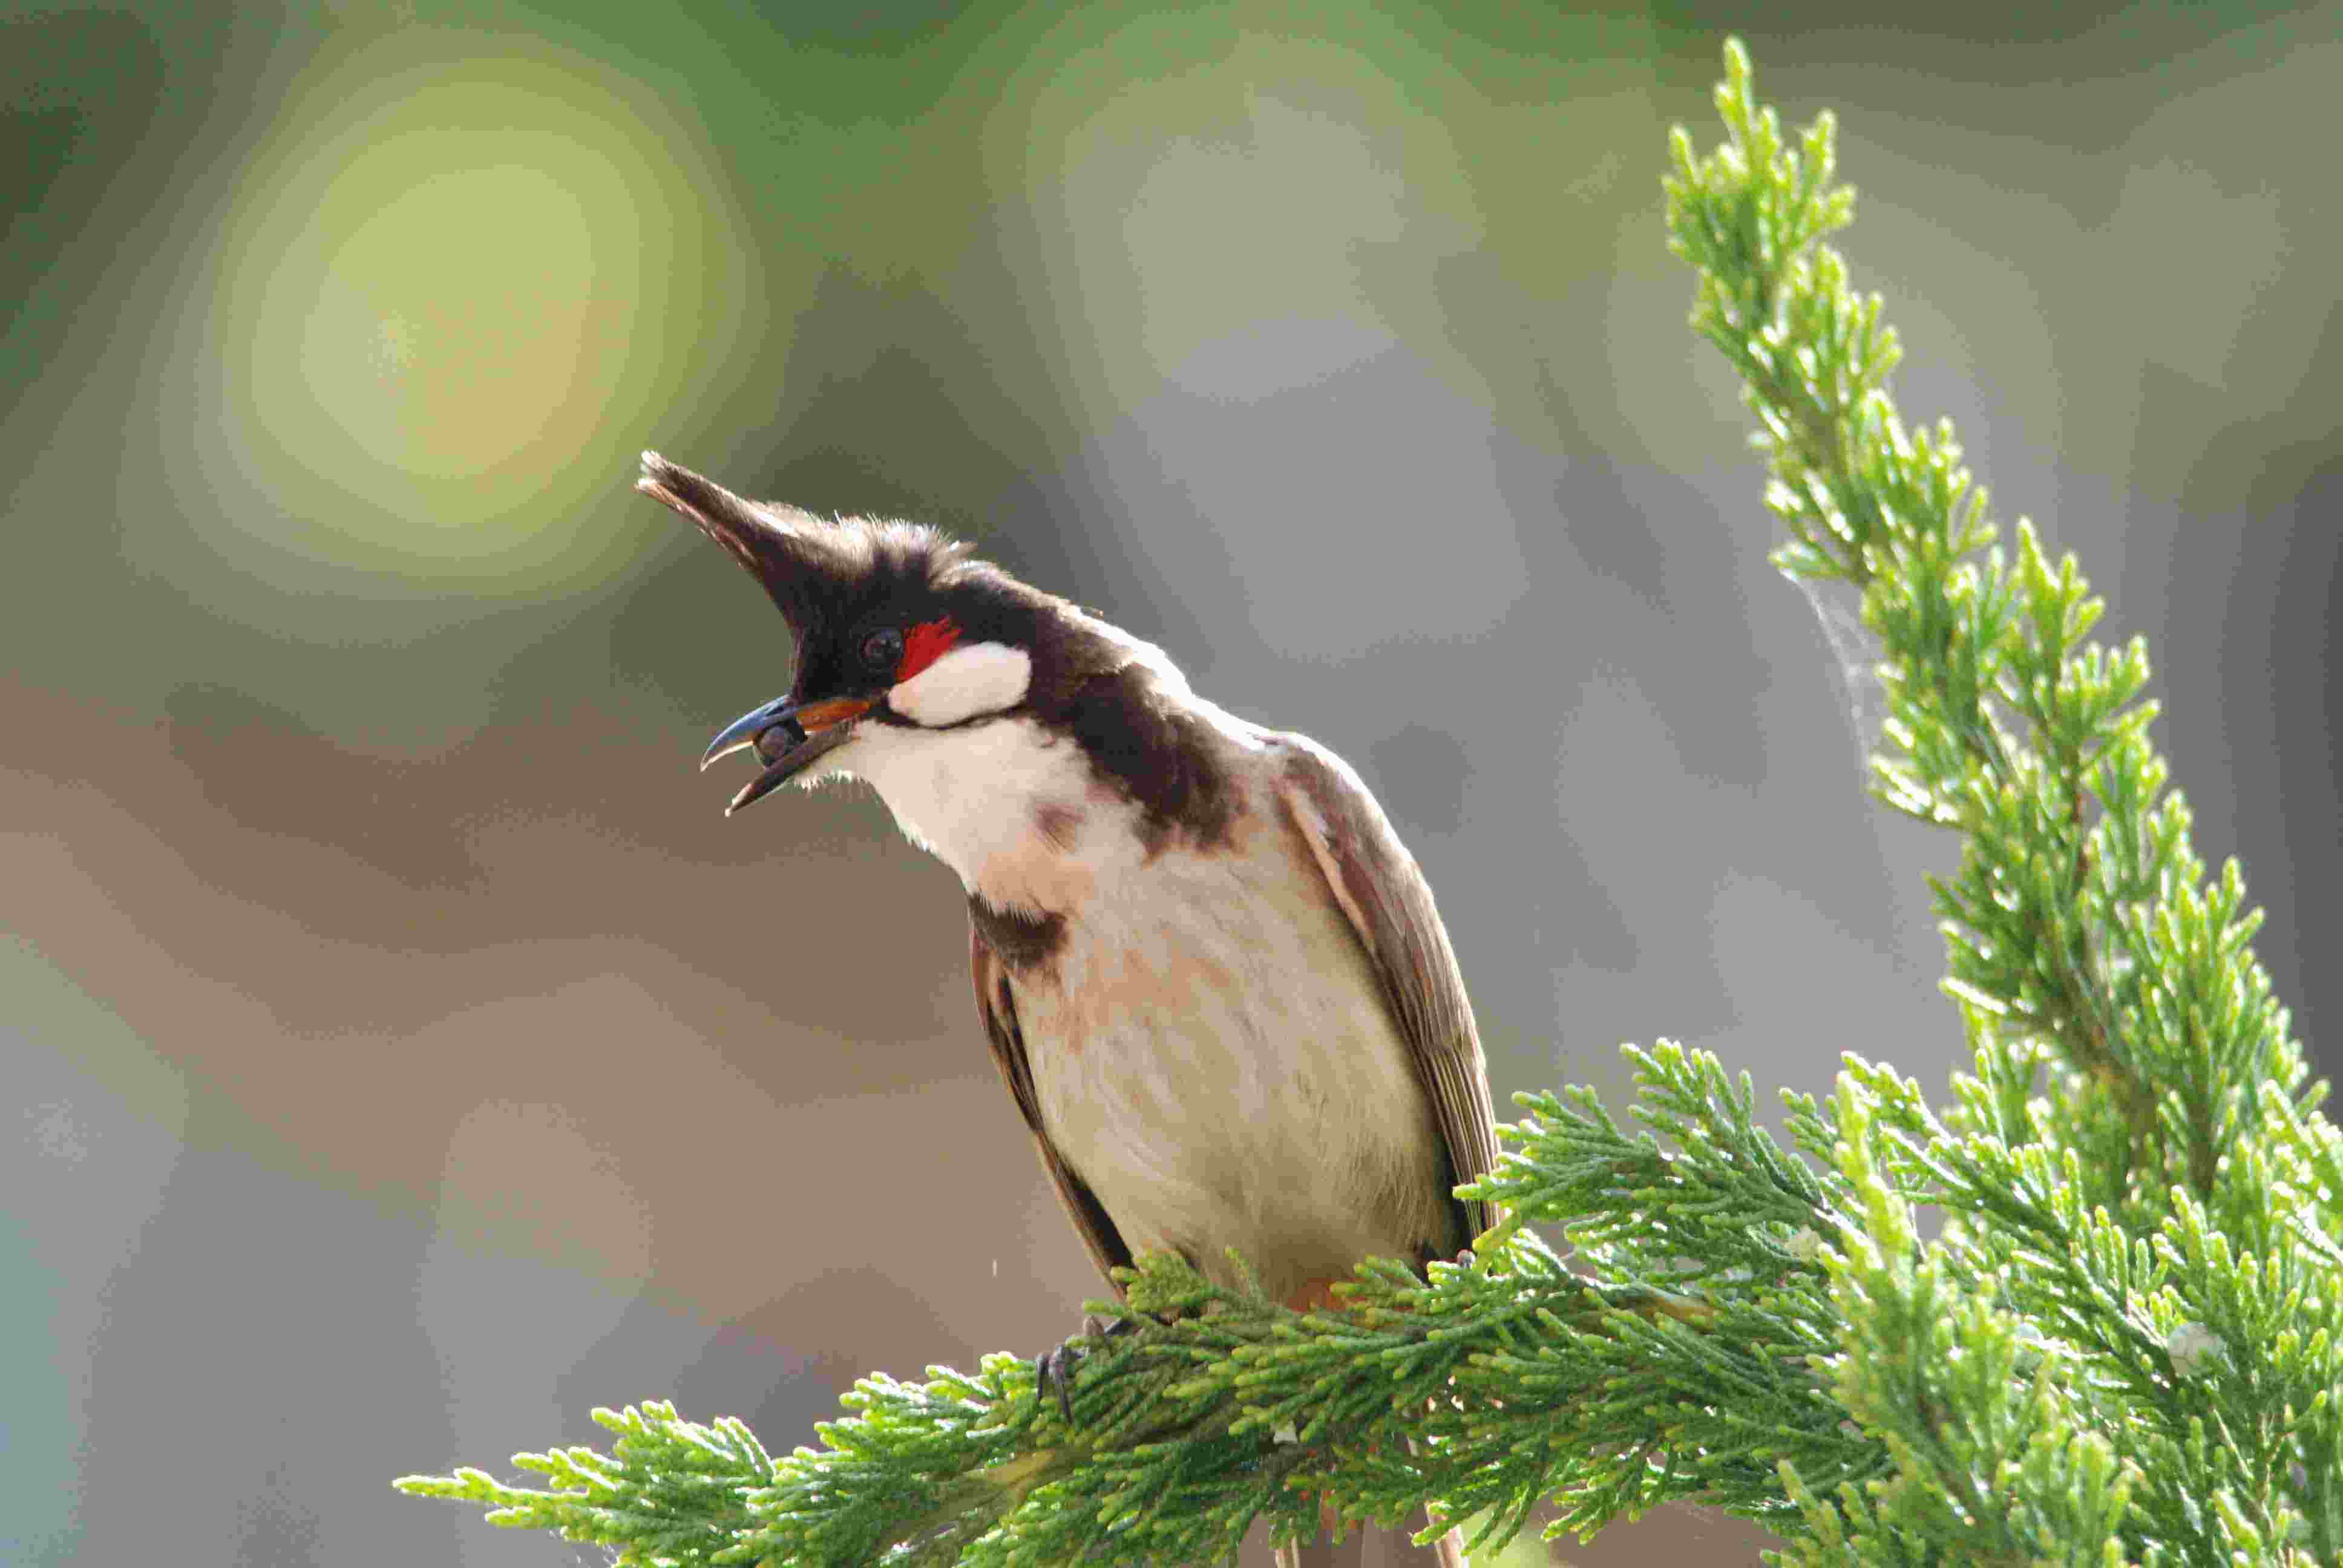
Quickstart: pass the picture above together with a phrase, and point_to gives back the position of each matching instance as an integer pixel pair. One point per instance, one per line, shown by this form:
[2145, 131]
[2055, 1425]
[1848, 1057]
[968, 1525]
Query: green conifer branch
[2123, 1345]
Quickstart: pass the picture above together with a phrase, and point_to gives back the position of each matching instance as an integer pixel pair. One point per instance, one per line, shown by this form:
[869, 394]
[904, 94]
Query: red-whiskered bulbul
[1212, 976]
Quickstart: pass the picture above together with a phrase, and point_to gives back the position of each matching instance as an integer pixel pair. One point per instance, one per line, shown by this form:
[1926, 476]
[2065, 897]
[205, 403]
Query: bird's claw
[1054, 1370]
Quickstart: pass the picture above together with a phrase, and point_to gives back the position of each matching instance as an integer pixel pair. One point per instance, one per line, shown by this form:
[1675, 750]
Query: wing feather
[1380, 888]
[996, 1004]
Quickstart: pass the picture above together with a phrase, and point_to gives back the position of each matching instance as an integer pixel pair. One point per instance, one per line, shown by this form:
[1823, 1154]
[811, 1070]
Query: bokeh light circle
[452, 283]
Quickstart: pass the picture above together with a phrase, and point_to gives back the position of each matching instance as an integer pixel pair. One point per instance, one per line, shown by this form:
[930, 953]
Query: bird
[1213, 980]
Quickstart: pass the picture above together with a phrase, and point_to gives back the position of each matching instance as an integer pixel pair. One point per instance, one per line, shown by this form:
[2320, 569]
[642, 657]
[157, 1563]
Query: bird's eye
[882, 650]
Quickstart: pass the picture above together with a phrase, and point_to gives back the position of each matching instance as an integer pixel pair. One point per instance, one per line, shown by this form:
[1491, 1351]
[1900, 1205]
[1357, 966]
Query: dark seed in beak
[771, 743]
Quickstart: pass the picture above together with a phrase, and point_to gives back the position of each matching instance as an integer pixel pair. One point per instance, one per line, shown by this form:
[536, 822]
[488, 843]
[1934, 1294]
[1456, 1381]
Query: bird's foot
[1426, 1256]
[1054, 1370]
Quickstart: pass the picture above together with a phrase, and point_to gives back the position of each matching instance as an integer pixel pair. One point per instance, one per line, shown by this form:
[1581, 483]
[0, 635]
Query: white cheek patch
[981, 677]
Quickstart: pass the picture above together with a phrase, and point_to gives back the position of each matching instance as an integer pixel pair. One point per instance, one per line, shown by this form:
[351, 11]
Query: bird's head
[893, 625]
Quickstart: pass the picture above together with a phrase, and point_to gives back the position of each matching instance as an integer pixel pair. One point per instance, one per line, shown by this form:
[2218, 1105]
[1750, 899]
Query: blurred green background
[401, 1053]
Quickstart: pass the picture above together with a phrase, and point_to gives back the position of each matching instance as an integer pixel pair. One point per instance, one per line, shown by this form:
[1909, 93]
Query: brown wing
[1377, 884]
[997, 1005]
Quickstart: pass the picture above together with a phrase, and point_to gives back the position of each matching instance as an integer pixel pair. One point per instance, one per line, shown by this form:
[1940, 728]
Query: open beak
[787, 736]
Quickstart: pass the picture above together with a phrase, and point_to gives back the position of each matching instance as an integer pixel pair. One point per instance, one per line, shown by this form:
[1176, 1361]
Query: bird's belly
[1223, 1072]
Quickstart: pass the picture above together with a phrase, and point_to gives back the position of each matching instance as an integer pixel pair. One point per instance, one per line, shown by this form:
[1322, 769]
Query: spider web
[1856, 656]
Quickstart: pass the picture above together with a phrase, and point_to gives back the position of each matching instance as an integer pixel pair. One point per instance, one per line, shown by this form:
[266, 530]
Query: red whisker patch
[926, 644]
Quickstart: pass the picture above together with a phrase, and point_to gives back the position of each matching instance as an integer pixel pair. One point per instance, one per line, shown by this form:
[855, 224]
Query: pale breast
[1208, 1044]
[1214, 1057]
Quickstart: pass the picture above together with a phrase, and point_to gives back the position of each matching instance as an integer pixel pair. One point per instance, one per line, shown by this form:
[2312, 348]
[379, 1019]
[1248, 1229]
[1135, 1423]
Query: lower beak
[802, 732]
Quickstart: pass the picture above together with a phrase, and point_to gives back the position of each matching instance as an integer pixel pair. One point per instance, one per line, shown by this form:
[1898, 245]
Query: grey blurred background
[403, 1055]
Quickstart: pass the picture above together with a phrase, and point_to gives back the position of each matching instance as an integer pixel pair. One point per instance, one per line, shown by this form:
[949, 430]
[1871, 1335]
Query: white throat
[1011, 806]
[1002, 803]
[997, 801]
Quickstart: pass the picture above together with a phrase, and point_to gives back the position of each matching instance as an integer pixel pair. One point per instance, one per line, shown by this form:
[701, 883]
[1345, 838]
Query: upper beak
[808, 730]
